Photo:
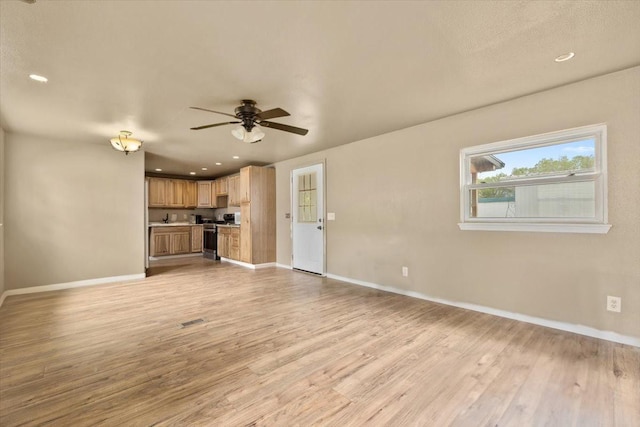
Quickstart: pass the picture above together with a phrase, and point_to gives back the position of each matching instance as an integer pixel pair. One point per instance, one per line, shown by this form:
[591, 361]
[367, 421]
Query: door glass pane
[307, 198]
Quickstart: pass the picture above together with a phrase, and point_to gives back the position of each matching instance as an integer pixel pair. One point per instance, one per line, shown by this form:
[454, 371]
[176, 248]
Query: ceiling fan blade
[213, 125]
[286, 128]
[212, 111]
[272, 114]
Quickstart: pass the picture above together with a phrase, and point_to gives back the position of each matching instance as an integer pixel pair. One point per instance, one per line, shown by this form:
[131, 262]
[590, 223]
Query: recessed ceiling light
[38, 78]
[158, 170]
[204, 169]
[236, 157]
[192, 173]
[218, 164]
[565, 57]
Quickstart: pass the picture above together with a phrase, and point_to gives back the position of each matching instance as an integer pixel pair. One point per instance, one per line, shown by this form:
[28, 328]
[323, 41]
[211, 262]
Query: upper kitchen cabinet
[173, 193]
[253, 181]
[190, 194]
[157, 192]
[222, 186]
[207, 194]
[234, 190]
[245, 183]
[176, 190]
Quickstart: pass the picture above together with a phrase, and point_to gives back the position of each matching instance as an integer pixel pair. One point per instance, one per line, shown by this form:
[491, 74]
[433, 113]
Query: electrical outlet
[614, 304]
[405, 271]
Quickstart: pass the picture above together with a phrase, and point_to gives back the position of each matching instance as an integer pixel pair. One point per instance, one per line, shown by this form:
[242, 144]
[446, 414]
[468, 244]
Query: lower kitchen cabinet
[229, 242]
[234, 250]
[196, 238]
[160, 244]
[181, 242]
[175, 240]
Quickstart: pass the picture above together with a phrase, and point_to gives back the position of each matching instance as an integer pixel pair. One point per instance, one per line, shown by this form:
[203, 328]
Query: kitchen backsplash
[221, 211]
[157, 215]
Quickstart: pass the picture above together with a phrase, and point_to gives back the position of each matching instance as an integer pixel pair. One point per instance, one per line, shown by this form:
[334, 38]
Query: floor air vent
[190, 323]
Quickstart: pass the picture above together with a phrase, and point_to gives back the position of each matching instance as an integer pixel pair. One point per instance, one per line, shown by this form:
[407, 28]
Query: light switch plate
[331, 216]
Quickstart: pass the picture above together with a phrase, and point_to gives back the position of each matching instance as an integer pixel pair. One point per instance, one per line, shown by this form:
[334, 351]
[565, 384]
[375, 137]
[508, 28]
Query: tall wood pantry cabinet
[257, 215]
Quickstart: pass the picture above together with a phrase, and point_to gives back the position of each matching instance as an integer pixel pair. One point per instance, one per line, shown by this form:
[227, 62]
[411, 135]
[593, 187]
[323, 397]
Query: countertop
[171, 224]
[185, 224]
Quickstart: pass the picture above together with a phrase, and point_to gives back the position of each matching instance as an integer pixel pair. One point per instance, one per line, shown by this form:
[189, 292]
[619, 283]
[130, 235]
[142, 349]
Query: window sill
[536, 227]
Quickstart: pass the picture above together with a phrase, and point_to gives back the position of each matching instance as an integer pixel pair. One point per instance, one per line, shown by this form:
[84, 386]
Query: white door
[308, 219]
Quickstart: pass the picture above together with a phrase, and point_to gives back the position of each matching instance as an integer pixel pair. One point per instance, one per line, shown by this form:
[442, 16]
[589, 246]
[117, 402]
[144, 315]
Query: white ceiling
[344, 70]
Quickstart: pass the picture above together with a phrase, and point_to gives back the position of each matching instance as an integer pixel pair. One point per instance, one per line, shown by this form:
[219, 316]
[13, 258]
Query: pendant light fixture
[125, 143]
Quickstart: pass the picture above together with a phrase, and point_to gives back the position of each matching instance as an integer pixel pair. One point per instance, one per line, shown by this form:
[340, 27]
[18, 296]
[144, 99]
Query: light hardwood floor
[283, 348]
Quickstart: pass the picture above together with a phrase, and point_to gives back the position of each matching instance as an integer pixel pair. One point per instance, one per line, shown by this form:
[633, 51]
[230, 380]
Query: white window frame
[598, 176]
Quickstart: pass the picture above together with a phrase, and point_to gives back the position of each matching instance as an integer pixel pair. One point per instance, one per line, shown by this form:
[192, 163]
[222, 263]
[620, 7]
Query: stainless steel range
[210, 240]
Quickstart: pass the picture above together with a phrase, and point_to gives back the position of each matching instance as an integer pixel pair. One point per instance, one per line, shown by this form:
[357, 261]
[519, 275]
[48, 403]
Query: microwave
[236, 218]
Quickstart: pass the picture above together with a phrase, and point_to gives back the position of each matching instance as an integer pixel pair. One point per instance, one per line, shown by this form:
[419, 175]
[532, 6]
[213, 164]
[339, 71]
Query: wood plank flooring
[282, 348]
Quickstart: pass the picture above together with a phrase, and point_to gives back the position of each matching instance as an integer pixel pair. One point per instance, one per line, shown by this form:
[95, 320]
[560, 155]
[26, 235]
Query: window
[307, 198]
[555, 182]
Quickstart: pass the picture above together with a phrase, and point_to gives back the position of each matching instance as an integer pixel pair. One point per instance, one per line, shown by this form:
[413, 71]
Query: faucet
[166, 219]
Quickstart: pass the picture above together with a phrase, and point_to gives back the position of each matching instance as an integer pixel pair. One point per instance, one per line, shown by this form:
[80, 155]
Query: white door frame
[323, 164]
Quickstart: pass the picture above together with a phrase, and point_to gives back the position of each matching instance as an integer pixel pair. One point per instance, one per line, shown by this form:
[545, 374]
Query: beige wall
[73, 211]
[396, 199]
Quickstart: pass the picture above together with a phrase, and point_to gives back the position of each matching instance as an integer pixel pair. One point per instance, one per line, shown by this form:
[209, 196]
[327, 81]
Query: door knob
[319, 227]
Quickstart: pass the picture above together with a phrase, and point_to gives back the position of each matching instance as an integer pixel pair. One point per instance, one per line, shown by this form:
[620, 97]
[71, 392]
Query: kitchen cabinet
[257, 215]
[223, 242]
[222, 186]
[160, 244]
[245, 183]
[245, 223]
[206, 194]
[196, 238]
[234, 191]
[234, 247]
[181, 242]
[157, 192]
[176, 193]
[170, 240]
[191, 194]
[229, 242]
[172, 193]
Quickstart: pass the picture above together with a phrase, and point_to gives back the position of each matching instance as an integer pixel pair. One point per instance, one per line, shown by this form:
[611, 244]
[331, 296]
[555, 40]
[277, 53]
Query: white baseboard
[264, 265]
[247, 265]
[288, 267]
[70, 285]
[563, 326]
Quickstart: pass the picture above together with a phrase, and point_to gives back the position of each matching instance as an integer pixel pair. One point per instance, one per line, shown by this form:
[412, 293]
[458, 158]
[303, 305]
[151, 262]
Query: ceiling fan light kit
[250, 118]
[124, 143]
[254, 135]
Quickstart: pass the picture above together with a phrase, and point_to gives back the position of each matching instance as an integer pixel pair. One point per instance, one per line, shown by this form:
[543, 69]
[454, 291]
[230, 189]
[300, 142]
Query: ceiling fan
[250, 118]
